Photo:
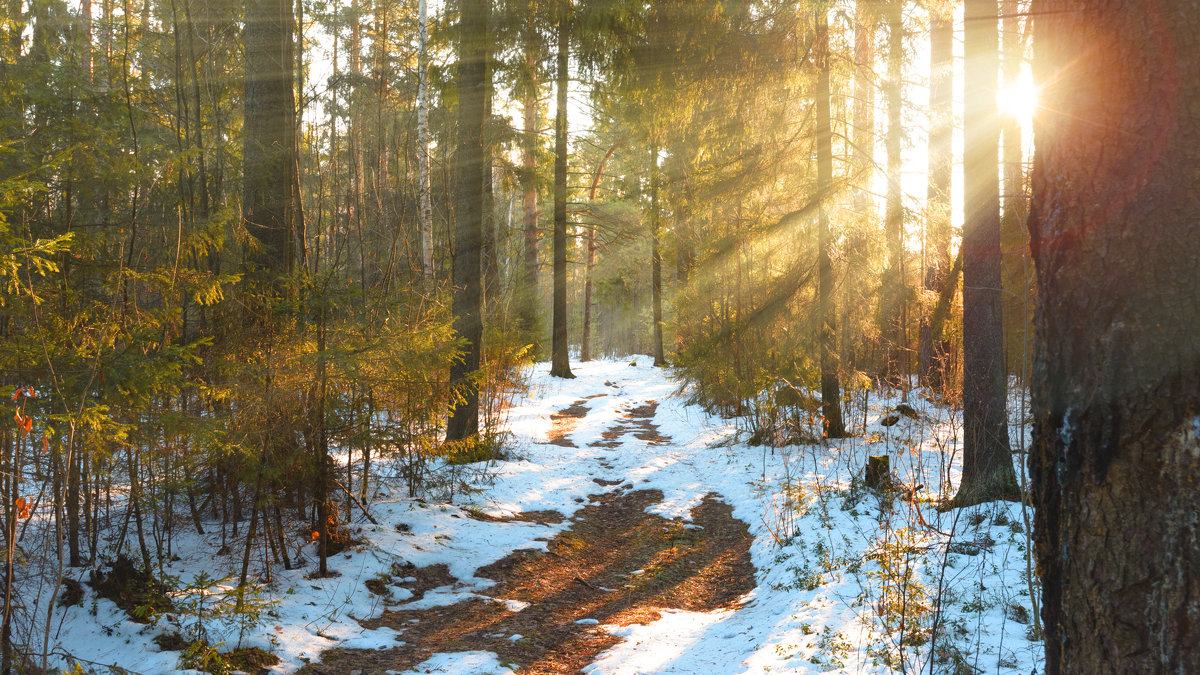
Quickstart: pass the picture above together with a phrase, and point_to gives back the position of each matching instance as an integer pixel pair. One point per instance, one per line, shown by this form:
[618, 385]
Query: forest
[604, 336]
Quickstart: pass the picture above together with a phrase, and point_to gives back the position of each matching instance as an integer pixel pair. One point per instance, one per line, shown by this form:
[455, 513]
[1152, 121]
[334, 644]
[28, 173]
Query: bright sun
[1019, 99]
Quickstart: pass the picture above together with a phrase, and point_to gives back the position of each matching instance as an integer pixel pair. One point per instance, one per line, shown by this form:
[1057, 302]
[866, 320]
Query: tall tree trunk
[987, 472]
[491, 236]
[529, 201]
[10, 482]
[1015, 271]
[425, 200]
[585, 349]
[268, 151]
[1116, 386]
[72, 501]
[831, 390]
[355, 107]
[862, 167]
[560, 365]
[321, 447]
[468, 230]
[863, 152]
[660, 358]
[938, 199]
[85, 12]
[895, 290]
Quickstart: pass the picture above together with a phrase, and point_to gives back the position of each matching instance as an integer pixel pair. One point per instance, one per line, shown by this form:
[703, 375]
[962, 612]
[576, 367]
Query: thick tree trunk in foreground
[1116, 389]
[987, 463]
[468, 230]
[831, 390]
[560, 364]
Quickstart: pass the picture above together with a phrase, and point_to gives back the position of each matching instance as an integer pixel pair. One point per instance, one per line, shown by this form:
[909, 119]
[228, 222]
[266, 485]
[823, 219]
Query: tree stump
[879, 474]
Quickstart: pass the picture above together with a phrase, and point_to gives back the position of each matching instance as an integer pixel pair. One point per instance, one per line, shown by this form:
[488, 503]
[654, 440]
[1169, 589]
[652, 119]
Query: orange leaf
[45, 444]
[24, 422]
[22, 507]
[316, 535]
[16, 393]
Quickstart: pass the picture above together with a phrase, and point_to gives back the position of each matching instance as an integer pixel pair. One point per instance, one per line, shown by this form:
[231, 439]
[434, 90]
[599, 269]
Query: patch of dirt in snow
[637, 420]
[617, 564]
[425, 579]
[541, 517]
[564, 422]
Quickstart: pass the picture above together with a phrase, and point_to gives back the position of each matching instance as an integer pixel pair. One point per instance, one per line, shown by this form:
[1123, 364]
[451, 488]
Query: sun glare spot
[1019, 99]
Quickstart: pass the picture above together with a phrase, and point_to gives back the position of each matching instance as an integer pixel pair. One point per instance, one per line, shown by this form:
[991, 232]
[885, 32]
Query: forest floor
[630, 532]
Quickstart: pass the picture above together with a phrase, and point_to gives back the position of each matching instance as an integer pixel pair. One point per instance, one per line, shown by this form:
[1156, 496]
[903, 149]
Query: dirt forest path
[613, 562]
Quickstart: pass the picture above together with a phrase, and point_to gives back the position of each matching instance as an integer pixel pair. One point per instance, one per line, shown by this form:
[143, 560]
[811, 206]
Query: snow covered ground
[848, 581]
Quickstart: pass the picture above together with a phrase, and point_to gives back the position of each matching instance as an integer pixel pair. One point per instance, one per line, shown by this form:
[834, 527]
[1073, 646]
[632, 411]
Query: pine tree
[560, 360]
[987, 463]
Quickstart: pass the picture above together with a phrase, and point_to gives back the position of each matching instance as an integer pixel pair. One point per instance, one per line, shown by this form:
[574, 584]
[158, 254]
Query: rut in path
[636, 419]
[616, 564]
[564, 421]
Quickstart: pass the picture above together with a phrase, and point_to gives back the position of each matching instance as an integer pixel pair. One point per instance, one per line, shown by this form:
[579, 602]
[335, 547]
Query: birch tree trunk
[425, 202]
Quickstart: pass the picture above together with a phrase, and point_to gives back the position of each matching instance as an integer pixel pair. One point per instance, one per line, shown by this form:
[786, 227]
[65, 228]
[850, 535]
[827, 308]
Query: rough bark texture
[987, 463]
[831, 390]
[560, 364]
[1116, 395]
[268, 151]
[468, 230]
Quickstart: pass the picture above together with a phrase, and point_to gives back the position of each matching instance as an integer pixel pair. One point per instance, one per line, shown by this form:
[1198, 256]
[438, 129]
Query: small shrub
[199, 655]
[136, 591]
[170, 642]
[72, 593]
[378, 585]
